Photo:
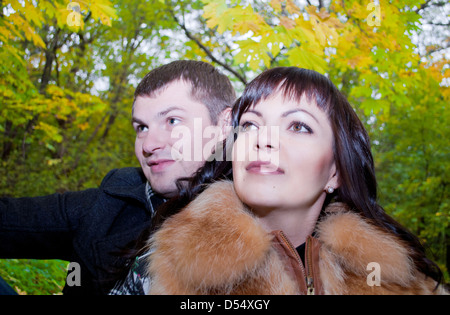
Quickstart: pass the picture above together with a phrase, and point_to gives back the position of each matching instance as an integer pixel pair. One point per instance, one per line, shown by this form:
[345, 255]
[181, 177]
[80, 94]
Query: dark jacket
[85, 227]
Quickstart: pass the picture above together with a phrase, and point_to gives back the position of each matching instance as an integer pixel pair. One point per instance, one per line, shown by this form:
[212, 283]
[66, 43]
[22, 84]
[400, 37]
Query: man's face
[160, 121]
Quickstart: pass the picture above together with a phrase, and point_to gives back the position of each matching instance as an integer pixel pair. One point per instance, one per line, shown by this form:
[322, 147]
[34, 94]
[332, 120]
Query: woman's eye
[300, 128]
[247, 126]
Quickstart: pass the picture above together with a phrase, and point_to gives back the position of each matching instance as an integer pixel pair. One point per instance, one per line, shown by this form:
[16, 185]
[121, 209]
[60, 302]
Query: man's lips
[159, 165]
[261, 167]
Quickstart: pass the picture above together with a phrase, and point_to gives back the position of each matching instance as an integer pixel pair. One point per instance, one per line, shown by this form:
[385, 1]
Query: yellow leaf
[71, 19]
[318, 29]
[287, 23]
[37, 40]
[292, 8]
[303, 31]
[83, 126]
[360, 61]
[103, 11]
[212, 12]
[254, 63]
[245, 26]
[52, 162]
[276, 5]
[305, 59]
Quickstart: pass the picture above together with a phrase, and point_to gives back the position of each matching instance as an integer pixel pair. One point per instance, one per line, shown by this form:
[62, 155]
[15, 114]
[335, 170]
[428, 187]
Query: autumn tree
[398, 86]
[68, 71]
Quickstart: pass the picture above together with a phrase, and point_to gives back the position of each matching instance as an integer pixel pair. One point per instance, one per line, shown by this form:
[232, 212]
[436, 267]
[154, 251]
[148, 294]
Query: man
[88, 227]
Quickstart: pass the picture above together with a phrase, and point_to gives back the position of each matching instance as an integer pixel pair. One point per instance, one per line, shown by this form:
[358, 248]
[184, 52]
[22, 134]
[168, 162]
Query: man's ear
[224, 123]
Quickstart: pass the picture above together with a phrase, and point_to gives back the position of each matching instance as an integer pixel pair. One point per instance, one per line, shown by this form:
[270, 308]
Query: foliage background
[66, 89]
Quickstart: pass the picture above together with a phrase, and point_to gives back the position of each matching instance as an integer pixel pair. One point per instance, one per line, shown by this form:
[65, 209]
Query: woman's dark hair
[352, 154]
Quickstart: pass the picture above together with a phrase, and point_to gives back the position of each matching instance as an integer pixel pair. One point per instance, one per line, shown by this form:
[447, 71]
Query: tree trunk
[116, 100]
[447, 254]
[50, 56]
[10, 134]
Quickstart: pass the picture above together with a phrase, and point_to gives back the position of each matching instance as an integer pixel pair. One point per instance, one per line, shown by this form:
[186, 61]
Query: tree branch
[429, 3]
[320, 4]
[432, 51]
[50, 55]
[440, 24]
[206, 50]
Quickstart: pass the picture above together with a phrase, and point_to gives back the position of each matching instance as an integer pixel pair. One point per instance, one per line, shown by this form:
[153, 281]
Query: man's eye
[173, 121]
[141, 128]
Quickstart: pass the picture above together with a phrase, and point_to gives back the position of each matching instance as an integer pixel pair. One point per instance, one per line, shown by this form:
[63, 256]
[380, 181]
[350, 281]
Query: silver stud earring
[330, 190]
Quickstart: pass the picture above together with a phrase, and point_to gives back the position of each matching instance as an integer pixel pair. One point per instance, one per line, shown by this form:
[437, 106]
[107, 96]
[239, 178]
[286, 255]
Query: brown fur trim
[213, 246]
[216, 246]
[350, 243]
[357, 242]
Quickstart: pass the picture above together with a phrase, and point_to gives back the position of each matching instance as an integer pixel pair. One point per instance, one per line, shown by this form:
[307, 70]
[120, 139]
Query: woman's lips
[263, 168]
[159, 165]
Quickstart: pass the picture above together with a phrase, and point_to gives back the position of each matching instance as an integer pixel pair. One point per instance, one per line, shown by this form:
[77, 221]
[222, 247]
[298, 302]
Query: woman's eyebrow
[254, 112]
[299, 110]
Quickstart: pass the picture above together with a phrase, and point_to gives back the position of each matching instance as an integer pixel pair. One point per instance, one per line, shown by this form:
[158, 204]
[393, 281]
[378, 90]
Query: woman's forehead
[281, 98]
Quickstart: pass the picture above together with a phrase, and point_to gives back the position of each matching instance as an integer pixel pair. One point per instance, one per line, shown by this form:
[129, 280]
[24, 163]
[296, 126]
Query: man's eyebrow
[172, 108]
[299, 110]
[137, 121]
[159, 115]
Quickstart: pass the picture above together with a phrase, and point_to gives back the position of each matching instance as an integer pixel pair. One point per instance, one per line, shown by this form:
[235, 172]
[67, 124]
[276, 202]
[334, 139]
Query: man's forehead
[179, 83]
[148, 108]
[167, 111]
[150, 111]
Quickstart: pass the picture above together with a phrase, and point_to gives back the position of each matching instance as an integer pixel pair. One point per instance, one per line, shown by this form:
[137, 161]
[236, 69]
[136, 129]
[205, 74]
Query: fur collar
[215, 245]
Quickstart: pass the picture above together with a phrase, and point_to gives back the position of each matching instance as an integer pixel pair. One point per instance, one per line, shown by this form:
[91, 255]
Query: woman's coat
[216, 246]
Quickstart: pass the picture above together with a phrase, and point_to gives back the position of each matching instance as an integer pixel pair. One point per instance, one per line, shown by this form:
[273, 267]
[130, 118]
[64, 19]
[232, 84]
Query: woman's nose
[268, 138]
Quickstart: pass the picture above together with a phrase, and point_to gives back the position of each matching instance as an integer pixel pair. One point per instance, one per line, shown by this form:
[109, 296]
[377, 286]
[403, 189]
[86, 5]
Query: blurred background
[68, 71]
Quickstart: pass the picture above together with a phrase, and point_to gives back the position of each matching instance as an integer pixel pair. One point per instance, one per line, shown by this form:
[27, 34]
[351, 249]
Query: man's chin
[165, 185]
[165, 191]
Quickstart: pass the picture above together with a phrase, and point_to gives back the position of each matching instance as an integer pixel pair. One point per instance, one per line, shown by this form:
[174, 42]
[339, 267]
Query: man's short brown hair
[209, 86]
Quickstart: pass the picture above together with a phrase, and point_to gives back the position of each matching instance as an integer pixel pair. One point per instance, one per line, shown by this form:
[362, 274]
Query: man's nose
[154, 141]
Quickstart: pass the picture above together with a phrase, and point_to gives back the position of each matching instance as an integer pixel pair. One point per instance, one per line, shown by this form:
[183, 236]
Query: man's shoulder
[127, 176]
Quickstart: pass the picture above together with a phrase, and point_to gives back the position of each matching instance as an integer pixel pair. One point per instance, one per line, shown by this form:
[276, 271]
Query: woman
[299, 217]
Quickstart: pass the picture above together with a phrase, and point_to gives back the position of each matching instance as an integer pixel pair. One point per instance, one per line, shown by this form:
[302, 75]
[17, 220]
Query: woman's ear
[334, 181]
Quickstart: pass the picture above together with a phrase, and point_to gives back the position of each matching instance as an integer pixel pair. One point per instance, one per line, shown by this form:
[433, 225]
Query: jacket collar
[142, 193]
[132, 192]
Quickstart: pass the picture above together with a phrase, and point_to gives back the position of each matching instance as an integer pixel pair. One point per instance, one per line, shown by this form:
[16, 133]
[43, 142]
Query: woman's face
[283, 155]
